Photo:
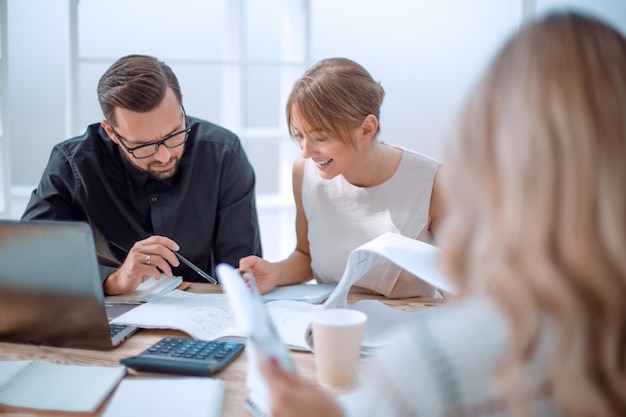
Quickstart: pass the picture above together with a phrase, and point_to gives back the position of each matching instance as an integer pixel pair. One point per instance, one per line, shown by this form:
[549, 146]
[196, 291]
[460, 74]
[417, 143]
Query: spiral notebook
[47, 386]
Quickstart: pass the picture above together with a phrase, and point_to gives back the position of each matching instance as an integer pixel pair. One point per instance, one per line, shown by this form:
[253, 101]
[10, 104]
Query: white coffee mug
[337, 338]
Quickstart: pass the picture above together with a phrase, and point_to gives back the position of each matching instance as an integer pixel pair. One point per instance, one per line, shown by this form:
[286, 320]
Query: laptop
[50, 288]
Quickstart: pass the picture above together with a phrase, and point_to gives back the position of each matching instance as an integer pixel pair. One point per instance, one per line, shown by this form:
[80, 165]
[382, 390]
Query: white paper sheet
[149, 290]
[418, 258]
[167, 397]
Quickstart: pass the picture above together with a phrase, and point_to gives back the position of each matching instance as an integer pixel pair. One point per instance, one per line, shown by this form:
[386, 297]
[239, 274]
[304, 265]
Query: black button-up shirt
[208, 207]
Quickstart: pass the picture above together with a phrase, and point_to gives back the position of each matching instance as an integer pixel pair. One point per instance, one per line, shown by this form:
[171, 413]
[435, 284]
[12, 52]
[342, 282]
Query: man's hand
[147, 258]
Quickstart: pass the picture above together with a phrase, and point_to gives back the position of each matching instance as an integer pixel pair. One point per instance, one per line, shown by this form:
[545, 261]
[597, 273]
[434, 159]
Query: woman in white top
[349, 187]
[535, 237]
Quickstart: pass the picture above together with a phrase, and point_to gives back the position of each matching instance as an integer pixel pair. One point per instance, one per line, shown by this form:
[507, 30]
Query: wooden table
[234, 376]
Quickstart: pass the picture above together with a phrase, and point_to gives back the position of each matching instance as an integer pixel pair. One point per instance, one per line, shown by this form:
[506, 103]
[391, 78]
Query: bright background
[236, 61]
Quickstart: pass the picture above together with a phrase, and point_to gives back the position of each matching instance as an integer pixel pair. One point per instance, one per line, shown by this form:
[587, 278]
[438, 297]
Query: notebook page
[60, 387]
[8, 369]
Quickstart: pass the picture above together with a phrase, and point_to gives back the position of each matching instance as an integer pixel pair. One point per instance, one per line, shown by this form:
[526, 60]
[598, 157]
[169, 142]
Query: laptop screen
[50, 288]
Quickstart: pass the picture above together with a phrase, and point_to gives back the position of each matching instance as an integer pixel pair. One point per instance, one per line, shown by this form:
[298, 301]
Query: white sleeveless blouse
[342, 217]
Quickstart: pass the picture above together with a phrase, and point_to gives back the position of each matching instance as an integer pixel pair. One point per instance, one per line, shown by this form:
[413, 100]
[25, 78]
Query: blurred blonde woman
[535, 235]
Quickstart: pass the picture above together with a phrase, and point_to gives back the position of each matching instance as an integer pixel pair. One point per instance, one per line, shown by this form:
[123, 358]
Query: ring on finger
[148, 259]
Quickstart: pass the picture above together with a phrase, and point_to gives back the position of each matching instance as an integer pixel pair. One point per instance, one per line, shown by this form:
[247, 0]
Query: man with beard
[151, 181]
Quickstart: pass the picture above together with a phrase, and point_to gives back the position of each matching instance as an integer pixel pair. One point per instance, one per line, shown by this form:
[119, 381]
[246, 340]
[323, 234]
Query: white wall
[426, 54]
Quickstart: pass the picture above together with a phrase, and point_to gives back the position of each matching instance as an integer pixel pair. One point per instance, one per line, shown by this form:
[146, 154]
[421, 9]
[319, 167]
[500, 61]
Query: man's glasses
[172, 141]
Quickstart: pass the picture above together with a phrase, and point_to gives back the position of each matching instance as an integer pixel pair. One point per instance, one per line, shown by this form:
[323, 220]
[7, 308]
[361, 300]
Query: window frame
[5, 160]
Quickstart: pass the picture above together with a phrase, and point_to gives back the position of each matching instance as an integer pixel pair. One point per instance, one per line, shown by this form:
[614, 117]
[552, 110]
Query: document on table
[167, 397]
[203, 316]
[150, 289]
[307, 293]
[418, 258]
[209, 316]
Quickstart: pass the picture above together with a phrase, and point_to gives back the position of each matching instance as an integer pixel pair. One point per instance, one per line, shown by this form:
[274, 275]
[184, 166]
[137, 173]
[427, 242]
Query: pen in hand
[183, 260]
[195, 268]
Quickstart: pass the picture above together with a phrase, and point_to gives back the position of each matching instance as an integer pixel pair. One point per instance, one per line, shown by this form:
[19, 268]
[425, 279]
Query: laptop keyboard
[179, 355]
[115, 329]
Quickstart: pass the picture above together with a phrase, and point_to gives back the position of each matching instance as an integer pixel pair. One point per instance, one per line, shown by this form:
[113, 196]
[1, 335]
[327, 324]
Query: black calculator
[182, 356]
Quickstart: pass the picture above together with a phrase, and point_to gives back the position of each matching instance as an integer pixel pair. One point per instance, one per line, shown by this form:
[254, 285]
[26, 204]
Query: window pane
[2, 100]
[262, 97]
[164, 28]
[201, 86]
[88, 109]
[264, 24]
[264, 155]
[275, 30]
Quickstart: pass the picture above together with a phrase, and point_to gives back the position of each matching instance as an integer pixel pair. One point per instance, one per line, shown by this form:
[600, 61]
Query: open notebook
[50, 288]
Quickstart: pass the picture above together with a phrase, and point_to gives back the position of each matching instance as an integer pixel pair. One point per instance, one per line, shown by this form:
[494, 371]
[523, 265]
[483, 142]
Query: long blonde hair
[536, 208]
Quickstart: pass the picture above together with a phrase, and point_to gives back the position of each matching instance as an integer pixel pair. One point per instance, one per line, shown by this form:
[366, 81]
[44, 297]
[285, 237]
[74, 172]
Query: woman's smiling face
[332, 156]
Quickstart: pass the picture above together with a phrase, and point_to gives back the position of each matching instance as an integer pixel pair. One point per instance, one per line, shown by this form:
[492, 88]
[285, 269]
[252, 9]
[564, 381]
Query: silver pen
[195, 268]
[183, 260]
